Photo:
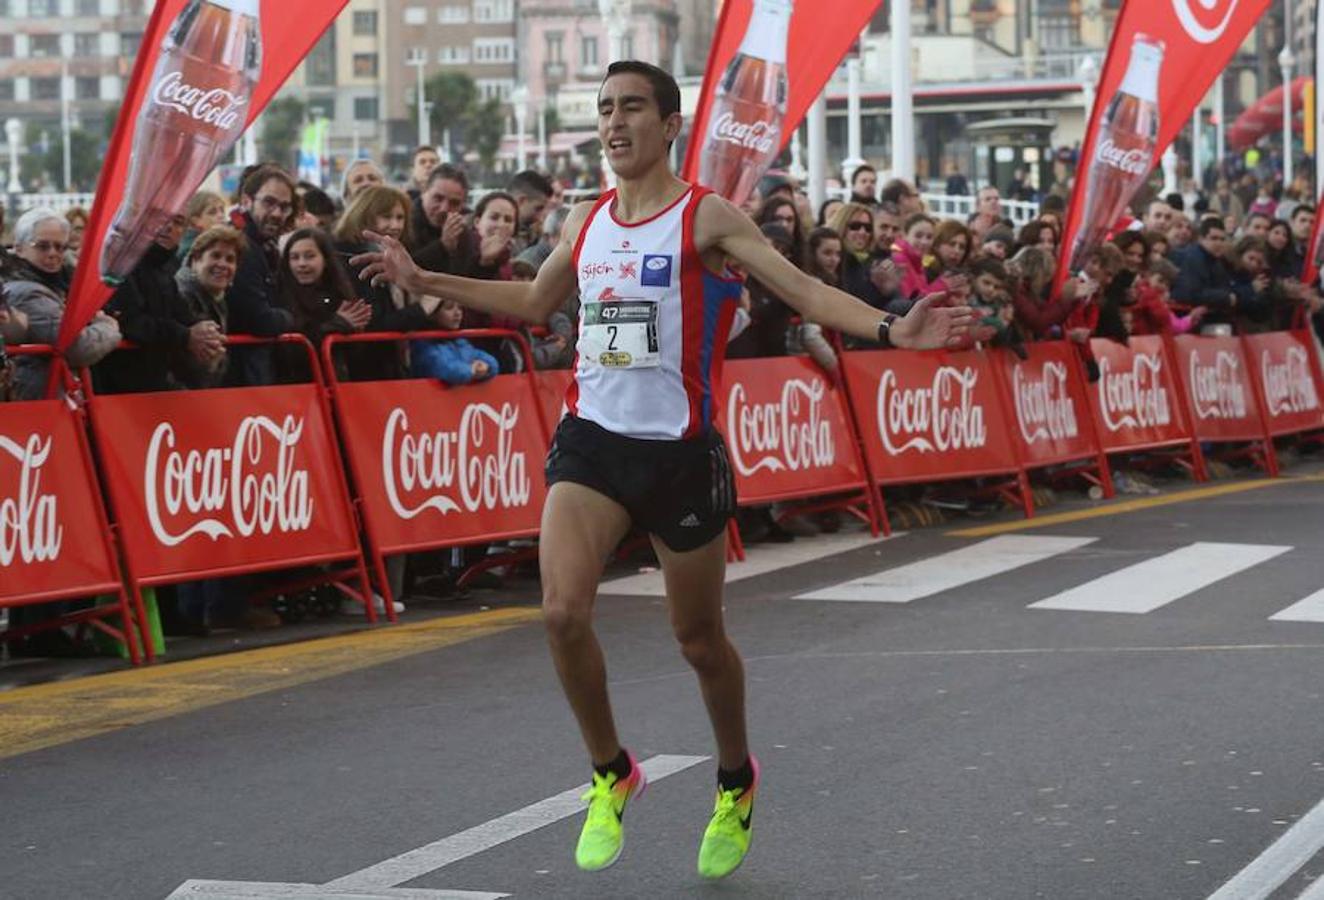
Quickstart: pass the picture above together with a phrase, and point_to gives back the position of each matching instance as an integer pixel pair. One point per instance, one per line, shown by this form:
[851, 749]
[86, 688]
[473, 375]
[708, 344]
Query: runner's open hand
[389, 265]
[931, 324]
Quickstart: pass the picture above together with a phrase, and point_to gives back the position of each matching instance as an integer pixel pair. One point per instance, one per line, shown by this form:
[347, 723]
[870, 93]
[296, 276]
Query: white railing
[57, 202]
[943, 206]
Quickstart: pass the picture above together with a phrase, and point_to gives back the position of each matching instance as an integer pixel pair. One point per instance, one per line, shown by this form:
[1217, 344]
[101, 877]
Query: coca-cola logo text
[1289, 386]
[1043, 405]
[1134, 399]
[942, 416]
[250, 487]
[30, 530]
[215, 106]
[1218, 390]
[477, 461]
[788, 434]
[1199, 32]
[1133, 162]
[760, 135]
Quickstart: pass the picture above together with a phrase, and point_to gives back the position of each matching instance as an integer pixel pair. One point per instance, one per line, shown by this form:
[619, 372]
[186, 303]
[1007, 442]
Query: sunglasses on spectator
[859, 226]
[49, 247]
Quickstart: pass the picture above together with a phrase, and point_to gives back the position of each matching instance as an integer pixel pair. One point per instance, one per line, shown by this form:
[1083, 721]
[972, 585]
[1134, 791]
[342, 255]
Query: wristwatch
[885, 330]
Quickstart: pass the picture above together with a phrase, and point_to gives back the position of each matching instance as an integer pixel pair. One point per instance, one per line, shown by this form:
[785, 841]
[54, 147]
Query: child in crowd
[990, 295]
[557, 349]
[1152, 312]
[452, 361]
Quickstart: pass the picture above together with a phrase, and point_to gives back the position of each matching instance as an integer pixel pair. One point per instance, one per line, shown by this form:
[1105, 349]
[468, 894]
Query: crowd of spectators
[275, 258]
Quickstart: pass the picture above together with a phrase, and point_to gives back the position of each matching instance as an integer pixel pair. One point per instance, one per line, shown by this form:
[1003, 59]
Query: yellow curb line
[45, 715]
[1128, 506]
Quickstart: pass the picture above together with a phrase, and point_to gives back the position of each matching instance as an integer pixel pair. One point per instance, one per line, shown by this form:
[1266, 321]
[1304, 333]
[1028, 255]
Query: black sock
[620, 765]
[739, 779]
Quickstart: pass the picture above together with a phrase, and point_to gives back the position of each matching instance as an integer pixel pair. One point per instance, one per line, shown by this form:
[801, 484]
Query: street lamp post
[519, 100]
[903, 103]
[424, 127]
[65, 126]
[1286, 62]
[14, 134]
[853, 158]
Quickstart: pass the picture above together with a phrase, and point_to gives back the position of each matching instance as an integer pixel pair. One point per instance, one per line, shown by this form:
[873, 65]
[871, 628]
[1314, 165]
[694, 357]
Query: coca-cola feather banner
[769, 61]
[1173, 50]
[1314, 248]
[204, 71]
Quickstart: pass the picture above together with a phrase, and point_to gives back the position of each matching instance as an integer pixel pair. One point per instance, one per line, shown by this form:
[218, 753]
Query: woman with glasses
[781, 211]
[854, 224]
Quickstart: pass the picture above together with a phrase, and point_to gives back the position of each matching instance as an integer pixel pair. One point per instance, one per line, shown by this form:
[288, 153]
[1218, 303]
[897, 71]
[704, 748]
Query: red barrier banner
[786, 430]
[1135, 400]
[930, 415]
[437, 465]
[1217, 381]
[227, 481]
[1051, 405]
[51, 542]
[1289, 374]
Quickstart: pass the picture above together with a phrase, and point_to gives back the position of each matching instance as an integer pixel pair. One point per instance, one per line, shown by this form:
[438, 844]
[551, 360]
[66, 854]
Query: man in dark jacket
[1204, 277]
[438, 231]
[151, 315]
[266, 206]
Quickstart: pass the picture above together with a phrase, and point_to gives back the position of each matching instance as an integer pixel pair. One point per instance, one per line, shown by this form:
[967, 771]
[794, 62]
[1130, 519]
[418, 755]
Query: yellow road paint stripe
[1127, 506]
[45, 715]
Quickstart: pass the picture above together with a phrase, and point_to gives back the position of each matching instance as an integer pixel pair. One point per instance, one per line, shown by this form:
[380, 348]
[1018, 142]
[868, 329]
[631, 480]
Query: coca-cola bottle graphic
[193, 112]
[1123, 148]
[745, 122]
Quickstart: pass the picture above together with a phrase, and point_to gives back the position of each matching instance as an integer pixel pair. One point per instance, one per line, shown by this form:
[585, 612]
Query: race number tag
[620, 335]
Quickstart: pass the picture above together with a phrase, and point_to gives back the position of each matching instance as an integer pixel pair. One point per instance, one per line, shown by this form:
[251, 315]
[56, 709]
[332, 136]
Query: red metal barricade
[934, 416]
[229, 481]
[436, 466]
[1286, 370]
[1224, 404]
[790, 437]
[55, 540]
[1050, 401]
[1138, 401]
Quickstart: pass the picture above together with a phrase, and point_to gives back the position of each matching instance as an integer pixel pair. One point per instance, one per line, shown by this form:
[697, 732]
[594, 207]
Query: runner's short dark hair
[665, 90]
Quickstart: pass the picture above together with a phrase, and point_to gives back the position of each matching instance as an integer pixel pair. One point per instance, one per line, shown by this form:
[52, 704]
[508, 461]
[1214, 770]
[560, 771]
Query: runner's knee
[704, 648]
[567, 614]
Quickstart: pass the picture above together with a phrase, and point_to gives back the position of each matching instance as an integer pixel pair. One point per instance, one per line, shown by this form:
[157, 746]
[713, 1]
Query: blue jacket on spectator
[451, 361]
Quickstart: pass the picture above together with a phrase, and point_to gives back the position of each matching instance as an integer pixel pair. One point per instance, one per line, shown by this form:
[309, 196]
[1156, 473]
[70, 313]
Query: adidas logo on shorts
[690, 521]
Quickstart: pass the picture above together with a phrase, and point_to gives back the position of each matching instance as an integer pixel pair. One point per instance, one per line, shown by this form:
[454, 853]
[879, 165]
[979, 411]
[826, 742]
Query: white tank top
[653, 323]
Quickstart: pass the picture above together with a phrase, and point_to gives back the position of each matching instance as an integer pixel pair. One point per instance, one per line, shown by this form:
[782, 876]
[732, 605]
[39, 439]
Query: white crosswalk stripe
[1156, 582]
[946, 571]
[1309, 609]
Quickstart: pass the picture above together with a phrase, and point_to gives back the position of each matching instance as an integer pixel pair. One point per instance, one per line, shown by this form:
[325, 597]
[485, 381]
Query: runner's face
[633, 134]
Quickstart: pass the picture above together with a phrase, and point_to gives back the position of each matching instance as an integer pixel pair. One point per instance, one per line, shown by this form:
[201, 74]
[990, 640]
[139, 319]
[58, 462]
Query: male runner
[637, 445]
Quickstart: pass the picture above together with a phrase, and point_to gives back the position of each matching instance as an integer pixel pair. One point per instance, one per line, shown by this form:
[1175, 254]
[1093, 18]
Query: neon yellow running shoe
[726, 839]
[603, 835]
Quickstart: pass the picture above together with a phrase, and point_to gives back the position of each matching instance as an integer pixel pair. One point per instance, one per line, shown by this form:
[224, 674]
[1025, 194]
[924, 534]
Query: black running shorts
[681, 491]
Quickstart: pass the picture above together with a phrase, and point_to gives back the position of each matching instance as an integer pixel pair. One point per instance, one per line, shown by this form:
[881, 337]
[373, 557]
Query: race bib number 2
[620, 335]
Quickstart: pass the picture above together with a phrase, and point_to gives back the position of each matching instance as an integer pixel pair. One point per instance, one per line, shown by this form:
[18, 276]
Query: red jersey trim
[691, 296]
[611, 210]
[583, 231]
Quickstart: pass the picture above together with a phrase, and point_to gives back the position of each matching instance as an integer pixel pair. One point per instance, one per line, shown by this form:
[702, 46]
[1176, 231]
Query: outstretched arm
[719, 224]
[531, 301]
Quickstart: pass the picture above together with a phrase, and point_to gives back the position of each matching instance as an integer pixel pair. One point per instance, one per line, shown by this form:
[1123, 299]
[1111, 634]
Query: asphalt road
[959, 744]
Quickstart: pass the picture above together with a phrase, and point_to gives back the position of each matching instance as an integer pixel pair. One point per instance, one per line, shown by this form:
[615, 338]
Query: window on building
[494, 50]
[416, 54]
[453, 56]
[130, 41]
[6, 89]
[44, 45]
[365, 22]
[554, 42]
[365, 109]
[322, 108]
[319, 67]
[87, 8]
[494, 11]
[6, 46]
[494, 88]
[365, 65]
[87, 88]
[627, 46]
[4, 9]
[588, 51]
[37, 8]
[45, 89]
[87, 45]
[453, 15]
[416, 15]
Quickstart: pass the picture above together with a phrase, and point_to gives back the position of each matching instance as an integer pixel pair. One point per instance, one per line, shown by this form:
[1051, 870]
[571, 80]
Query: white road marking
[268, 890]
[429, 858]
[1146, 586]
[759, 560]
[1293, 849]
[1311, 609]
[378, 882]
[945, 571]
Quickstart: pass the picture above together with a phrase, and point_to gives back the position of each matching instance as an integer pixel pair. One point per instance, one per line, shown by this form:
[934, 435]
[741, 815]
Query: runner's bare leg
[695, 582]
[580, 528]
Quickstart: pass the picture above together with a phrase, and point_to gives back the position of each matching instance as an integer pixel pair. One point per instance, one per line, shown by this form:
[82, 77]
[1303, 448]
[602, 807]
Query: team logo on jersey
[628, 270]
[626, 249]
[657, 271]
